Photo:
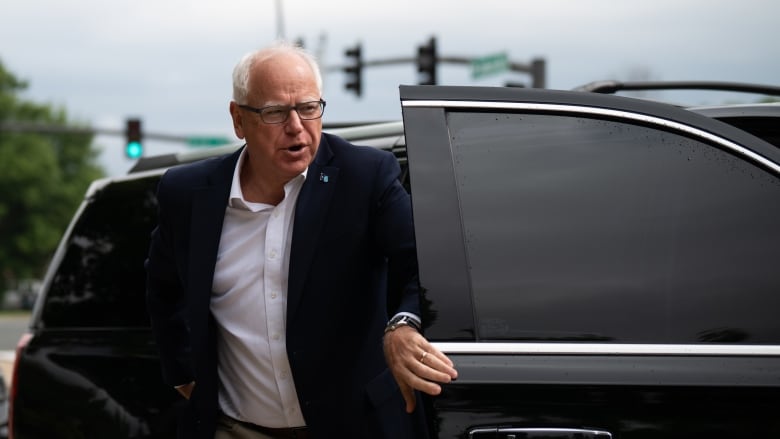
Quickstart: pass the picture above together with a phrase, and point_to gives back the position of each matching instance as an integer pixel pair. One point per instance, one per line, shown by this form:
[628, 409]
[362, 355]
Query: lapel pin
[323, 177]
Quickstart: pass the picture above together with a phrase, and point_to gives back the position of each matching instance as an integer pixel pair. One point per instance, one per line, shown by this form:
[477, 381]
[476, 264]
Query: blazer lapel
[207, 216]
[310, 212]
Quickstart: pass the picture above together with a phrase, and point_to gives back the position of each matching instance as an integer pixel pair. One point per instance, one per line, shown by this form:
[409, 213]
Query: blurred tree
[43, 177]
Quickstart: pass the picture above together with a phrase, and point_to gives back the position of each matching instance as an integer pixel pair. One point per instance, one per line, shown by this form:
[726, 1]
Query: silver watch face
[398, 321]
[402, 320]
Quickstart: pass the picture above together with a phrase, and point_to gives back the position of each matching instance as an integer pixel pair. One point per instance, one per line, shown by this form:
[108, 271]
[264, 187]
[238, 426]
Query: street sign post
[489, 65]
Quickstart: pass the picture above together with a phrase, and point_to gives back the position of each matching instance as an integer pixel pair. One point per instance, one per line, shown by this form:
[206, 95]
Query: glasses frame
[262, 111]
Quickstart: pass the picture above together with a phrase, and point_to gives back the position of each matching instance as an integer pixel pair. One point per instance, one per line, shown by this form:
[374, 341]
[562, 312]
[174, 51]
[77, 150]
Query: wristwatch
[402, 320]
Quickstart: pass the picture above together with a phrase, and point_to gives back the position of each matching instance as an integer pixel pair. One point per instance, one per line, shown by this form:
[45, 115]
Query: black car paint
[627, 382]
[93, 383]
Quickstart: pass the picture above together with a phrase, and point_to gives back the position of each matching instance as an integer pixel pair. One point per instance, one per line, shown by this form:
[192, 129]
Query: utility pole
[279, 20]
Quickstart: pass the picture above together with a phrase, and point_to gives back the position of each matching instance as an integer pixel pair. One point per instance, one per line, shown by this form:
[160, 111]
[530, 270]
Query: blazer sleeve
[394, 232]
[165, 296]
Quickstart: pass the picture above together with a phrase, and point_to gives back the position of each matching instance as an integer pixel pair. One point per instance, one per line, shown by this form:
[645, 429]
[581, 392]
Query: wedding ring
[422, 358]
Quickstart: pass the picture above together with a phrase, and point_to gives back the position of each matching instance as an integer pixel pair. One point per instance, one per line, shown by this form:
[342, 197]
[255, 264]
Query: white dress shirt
[249, 304]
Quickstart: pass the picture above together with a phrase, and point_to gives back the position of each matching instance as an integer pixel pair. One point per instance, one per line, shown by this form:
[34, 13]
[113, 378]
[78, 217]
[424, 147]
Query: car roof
[380, 135]
[770, 109]
[383, 135]
[611, 87]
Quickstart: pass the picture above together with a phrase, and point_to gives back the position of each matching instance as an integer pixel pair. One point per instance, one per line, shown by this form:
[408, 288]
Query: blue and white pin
[323, 177]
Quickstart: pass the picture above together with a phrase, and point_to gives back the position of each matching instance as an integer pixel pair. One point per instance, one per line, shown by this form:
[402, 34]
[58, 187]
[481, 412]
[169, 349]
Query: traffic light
[538, 72]
[134, 147]
[354, 70]
[426, 62]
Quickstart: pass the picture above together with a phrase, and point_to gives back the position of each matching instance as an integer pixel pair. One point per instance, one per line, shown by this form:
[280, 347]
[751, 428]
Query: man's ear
[238, 120]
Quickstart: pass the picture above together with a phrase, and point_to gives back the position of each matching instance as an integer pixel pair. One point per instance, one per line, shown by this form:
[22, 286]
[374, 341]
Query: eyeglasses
[279, 113]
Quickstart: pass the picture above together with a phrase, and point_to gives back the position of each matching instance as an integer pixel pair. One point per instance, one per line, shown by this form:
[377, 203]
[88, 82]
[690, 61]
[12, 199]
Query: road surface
[12, 326]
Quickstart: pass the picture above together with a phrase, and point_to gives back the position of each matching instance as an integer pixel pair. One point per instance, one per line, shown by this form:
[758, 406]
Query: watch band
[402, 320]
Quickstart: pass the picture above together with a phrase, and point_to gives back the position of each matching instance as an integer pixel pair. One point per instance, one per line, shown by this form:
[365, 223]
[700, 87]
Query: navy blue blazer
[352, 264]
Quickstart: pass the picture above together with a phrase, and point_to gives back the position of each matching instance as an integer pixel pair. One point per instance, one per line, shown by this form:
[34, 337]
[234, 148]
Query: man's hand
[416, 364]
[185, 390]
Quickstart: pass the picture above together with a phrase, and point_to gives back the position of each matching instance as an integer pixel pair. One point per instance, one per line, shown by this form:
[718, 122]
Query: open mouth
[295, 148]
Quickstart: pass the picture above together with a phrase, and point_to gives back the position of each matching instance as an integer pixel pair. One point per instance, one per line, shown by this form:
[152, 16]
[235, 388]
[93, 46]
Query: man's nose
[294, 121]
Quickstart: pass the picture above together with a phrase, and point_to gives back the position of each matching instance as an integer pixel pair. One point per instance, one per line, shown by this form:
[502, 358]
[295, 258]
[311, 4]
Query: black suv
[596, 266]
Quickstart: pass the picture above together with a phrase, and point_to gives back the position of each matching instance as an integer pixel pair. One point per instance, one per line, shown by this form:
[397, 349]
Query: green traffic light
[134, 150]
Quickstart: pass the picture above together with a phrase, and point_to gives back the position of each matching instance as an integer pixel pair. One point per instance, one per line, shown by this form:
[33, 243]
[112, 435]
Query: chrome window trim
[737, 148]
[606, 349]
[537, 432]
[556, 432]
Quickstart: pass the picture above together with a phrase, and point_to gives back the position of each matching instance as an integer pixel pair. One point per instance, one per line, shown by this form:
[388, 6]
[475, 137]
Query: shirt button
[275, 336]
[273, 295]
[272, 255]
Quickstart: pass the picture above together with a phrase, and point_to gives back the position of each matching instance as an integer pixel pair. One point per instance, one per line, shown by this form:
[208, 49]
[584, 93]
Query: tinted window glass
[101, 280]
[586, 229]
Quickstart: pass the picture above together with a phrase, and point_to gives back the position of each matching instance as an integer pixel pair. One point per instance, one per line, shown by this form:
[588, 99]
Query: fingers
[426, 377]
[408, 349]
[185, 390]
[416, 364]
[408, 394]
[436, 359]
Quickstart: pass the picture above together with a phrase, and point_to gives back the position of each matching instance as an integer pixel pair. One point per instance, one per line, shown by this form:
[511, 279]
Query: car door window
[589, 229]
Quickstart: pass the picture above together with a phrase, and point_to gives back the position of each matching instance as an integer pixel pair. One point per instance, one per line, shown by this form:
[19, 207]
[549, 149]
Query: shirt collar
[237, 200]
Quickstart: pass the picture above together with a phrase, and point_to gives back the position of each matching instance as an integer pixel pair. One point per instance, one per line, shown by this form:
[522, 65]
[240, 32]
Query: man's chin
[296, 167]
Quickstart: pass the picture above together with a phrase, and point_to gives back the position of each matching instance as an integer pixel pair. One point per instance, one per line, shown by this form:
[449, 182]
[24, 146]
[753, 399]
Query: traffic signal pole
[132, 152]
[31, 127]
[427, 60]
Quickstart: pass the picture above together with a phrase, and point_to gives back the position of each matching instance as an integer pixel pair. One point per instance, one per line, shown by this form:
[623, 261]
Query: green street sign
[204, 142]
[489, 65]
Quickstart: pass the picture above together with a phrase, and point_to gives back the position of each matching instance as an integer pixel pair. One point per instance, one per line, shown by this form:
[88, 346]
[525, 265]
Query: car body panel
[576, 256]
[86, 383]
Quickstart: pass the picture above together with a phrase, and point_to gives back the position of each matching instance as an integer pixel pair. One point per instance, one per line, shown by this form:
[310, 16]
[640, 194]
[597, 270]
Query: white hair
[242, 69]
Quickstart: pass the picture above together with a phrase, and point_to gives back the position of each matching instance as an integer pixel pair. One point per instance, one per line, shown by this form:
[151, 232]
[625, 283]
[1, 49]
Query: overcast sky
[169, 61]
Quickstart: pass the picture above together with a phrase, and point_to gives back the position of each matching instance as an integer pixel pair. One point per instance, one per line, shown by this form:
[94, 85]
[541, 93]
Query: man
[270, 272]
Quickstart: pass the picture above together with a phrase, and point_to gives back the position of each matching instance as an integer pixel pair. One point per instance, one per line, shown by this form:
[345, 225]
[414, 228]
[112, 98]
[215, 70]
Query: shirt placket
[274, 291]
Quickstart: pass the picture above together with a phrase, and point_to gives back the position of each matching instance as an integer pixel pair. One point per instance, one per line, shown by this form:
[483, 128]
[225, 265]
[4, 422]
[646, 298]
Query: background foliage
[43, 177]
